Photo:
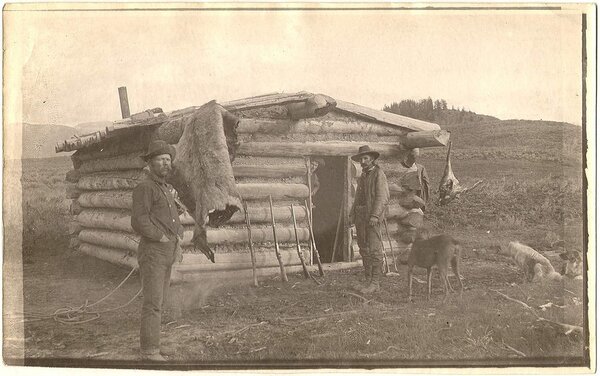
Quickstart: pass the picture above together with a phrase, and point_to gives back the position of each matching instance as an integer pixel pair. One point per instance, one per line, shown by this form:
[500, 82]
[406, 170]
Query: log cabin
[276, 136]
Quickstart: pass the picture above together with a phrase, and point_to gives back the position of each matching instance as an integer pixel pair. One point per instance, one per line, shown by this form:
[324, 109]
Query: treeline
[435, 111]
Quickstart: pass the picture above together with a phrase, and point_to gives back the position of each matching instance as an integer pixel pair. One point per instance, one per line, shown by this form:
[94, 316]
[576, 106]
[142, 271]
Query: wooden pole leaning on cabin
[387, 234]
[284, 277]
[250, 246]
[312, 238]
[298, 248]
[337, 231]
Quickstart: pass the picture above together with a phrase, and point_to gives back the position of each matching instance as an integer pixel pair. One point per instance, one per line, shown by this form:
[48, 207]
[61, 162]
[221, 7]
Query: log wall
[271, 160]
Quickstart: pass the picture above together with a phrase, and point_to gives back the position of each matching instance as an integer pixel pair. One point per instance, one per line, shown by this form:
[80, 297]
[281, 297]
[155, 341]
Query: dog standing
[441, 251]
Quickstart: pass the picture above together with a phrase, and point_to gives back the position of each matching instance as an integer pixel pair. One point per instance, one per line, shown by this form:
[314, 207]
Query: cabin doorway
[331, 209]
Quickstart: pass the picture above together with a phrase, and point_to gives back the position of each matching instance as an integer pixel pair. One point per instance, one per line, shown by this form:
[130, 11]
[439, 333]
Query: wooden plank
[386, 117]
[298, 149]
[266, 101]
[347, 198]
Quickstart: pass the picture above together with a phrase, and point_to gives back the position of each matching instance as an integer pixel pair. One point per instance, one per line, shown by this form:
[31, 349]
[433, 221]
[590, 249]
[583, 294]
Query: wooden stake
[284, 277]
[387, 233]
[337, 232]
[300, 254]
[312, 238]
[252, 257]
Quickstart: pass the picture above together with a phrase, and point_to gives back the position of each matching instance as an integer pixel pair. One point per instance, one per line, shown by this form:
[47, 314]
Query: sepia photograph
[299, 186]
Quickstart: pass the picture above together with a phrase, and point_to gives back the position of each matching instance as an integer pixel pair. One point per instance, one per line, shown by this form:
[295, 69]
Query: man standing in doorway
[155, 217]
[415, 178]
[368, 209]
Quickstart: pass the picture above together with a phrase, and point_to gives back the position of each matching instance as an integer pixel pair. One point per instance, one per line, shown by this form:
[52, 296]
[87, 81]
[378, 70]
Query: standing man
[155, 217]
[315, 163]
[415, 178]
[368, 209]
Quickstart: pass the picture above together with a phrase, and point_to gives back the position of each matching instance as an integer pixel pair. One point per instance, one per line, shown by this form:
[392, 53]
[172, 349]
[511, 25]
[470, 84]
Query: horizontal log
[120, 220]
[279, 171]
[317, 105]
[298, 149]
[71, 191]
[125, 179]
[129, 241]
[74, 227]
[406, 199]
[397, 212]
[114, 256]
[106, 199]
[72, 176]
[426, 139]
[256, 191]
[263, 215]
[129, 161]
[196, 262]
[316, 126]
[413, 219]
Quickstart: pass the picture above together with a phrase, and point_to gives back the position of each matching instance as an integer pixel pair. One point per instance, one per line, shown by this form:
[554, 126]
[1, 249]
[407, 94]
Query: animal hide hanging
[202, 172]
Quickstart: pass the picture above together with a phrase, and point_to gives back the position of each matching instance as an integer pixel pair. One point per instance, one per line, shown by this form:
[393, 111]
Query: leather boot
[376, 272]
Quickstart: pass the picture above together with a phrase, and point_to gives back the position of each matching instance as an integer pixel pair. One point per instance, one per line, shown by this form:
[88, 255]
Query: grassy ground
[228, 322]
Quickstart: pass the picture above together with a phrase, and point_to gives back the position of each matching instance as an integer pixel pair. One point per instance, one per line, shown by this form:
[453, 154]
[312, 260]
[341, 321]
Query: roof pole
[124, 102]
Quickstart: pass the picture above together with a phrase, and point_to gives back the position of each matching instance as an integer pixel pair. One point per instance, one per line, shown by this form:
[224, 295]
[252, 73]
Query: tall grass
[45, 209]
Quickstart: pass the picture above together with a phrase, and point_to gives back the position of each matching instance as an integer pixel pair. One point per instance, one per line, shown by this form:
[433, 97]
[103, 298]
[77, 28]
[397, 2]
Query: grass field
[535, 199]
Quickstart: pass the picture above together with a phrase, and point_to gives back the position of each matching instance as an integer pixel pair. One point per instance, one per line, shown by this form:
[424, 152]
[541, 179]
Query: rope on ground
[80, 315]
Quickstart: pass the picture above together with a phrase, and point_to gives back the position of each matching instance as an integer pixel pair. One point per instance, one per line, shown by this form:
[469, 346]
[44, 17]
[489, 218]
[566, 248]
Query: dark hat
[364, 150]
[159, 147]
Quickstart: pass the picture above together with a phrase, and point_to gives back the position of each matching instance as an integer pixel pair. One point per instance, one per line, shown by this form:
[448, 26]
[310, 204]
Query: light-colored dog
[535, 266]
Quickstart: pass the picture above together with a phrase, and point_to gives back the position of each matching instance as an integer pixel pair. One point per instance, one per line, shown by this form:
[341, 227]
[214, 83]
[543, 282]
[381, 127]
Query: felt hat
[364, 150]
[159, 147]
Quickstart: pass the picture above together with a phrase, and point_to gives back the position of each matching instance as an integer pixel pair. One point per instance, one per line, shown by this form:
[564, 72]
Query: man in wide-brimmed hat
[155, 218]
[368, 209]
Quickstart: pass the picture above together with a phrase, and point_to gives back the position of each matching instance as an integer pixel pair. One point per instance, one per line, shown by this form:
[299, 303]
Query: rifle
[312, 238]
[248, 226]
[284, 277]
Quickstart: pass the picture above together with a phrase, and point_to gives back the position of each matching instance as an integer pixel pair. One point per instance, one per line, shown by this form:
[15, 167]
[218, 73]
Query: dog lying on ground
[573, 267]
[535, 266]
[441, 251]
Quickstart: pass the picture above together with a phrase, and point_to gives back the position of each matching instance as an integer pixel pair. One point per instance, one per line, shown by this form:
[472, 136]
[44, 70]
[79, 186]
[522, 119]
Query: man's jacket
[154, 211]
[372, 194]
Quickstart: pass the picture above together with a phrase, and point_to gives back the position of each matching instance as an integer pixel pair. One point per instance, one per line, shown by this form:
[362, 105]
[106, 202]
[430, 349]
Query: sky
[65, 67]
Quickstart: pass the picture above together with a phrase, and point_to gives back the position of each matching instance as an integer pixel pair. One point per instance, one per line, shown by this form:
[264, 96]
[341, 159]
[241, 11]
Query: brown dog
[441, 251]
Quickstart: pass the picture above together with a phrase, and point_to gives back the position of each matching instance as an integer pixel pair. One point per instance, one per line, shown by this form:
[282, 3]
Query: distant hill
[533, 140]
[39, 139]
[85, 128]
[477, 136]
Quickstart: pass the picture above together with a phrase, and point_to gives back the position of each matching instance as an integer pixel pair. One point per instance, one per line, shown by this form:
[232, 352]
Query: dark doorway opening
[329, 213]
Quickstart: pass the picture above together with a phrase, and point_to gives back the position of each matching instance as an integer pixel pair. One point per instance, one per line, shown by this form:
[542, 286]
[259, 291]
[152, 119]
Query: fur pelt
[202, 172]
[535, 266]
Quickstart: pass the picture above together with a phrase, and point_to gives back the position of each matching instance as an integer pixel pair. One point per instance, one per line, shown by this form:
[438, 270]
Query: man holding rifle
[368, 209]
